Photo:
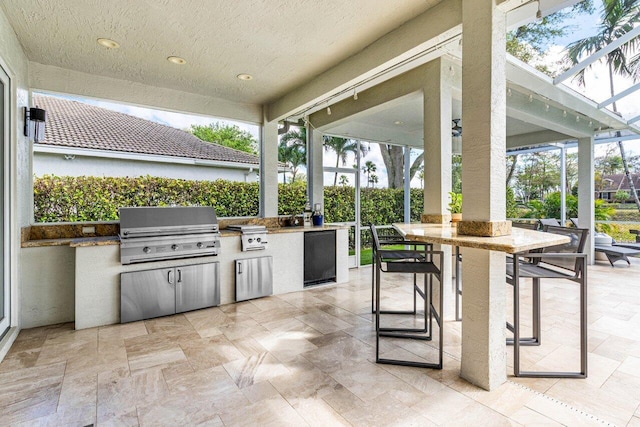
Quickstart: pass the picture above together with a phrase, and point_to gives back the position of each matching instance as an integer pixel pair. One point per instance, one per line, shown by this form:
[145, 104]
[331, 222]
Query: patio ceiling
[281, 44]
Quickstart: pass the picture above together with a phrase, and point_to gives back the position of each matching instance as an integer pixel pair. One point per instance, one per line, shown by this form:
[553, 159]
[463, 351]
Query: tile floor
[306, 358]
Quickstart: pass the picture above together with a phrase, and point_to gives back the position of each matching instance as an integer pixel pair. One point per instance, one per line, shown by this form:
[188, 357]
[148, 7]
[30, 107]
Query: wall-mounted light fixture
[34, 119]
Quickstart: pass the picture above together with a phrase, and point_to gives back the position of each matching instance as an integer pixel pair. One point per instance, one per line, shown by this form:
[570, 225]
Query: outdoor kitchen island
[98, 268]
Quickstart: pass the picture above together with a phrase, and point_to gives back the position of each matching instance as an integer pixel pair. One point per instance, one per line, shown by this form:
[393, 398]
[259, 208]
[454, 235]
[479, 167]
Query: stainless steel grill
[160, 233]
[253, 237]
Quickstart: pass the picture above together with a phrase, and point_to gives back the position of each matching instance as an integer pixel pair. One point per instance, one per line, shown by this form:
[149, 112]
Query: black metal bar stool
[415, 262]
[387, 236]
[568, 262]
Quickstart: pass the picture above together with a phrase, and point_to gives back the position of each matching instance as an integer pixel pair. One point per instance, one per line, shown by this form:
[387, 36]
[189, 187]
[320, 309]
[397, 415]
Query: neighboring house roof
[619, 182]
[79, 125]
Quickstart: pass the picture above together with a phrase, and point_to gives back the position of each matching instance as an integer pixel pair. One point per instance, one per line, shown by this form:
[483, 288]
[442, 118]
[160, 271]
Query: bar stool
[458, 270]
[389, 235]
[415, 262]
[567, 261]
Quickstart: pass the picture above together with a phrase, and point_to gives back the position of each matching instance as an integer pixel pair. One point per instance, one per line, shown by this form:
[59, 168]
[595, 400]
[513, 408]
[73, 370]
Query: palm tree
[618, 18]
[292, 151]
[344, 180]
[342, 147]
[369, 168]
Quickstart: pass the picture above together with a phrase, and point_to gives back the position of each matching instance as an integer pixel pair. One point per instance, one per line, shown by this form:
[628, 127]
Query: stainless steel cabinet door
[254, 278]
[146, 294]
[197, 286]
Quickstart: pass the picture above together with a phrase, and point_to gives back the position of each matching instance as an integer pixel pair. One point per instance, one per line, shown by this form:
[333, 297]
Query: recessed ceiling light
[244, 76]
[398, 122]
[111, 44]
[177, 60]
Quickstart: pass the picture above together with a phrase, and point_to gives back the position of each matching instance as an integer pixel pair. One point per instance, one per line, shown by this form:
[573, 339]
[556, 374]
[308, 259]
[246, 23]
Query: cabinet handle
[239, 268]
[170, 277]
[179, 276]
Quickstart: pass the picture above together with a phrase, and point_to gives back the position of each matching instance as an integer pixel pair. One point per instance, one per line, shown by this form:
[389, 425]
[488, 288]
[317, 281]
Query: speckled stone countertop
[518, 241]
[71, 234]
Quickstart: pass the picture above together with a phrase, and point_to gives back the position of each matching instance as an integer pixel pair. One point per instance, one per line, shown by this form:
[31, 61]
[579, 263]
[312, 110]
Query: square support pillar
[483, 186]
[315, 174]
[269, 169]
[586, 191]
[437, 101]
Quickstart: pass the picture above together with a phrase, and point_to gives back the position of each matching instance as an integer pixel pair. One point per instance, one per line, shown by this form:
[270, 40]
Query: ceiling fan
[456, 130]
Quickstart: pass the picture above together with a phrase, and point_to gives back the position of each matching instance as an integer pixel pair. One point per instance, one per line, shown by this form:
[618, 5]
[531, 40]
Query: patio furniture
[389, 236]
[619, 251]
[414, 262]
[458, 270]
[548, 221]
[616, 251]
[566, 261]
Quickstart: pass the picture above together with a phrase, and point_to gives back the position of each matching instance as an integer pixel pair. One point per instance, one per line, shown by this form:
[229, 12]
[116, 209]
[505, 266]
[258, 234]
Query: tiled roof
[79, 125]
[619, 182]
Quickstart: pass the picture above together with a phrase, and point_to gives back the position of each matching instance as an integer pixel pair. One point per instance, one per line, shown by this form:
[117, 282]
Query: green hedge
[73, 199]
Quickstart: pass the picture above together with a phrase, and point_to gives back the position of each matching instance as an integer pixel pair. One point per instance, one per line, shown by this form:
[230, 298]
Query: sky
[596, 88]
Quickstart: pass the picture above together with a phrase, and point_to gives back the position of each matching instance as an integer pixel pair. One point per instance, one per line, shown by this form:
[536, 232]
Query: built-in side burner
[253, 238]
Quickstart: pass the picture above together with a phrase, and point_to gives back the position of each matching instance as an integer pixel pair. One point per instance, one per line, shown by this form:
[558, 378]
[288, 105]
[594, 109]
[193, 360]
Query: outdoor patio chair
[390, 236]
[548, 221]
[414, 262]
[458, 271]
[616, 251]
[567, 261]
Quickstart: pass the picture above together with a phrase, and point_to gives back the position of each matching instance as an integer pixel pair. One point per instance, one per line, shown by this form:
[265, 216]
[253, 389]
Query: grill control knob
[174, 247]
[146, 250]
[250, 240]
[258, 240]
[199, 245]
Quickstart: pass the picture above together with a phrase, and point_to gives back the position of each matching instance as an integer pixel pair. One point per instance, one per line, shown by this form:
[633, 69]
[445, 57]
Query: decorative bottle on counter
[317, 217]
[306, 215]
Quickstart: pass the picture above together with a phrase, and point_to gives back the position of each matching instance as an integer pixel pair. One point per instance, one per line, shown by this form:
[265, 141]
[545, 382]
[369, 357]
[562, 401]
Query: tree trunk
[393, 157]
[632, 186]
[512, 168]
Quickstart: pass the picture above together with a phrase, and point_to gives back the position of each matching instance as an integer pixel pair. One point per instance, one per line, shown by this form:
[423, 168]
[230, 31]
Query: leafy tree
[228, 135]
[373, 180]
[342, 147]
[618, 17]
[529, 42]
[292, 151]
[369, 168]
[621, 196]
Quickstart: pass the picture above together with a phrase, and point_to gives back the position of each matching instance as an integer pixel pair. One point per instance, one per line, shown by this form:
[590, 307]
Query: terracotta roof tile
[75, 124]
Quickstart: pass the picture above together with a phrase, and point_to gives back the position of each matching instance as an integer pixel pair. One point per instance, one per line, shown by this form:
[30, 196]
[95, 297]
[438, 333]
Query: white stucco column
[437, 163]
[315, 176]
[586, 191]
[483, 188]
[269, 169]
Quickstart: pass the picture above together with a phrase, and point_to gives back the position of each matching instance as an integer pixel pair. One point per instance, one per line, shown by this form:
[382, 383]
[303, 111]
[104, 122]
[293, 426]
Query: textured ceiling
[282, 43]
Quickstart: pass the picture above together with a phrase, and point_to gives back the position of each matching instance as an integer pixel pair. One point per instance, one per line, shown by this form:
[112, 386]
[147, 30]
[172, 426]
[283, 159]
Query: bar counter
[520, 239]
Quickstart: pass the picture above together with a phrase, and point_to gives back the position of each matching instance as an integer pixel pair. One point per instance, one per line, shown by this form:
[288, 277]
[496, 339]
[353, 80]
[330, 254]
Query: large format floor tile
[308, 358]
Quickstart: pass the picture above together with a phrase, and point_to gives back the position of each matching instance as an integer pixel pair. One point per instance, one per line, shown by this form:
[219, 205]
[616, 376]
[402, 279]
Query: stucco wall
[56, 164]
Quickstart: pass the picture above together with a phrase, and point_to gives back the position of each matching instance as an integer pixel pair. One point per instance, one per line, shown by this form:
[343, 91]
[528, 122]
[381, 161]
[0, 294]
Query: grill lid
[164, 221]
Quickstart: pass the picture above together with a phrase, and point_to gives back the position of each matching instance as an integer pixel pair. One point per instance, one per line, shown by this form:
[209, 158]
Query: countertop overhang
[520, 240]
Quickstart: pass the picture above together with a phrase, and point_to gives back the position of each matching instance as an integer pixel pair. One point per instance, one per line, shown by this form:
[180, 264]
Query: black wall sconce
[34, 119]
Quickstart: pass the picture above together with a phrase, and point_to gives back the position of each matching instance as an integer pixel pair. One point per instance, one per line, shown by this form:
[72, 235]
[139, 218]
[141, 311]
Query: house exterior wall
[14, 62]
[56, 164]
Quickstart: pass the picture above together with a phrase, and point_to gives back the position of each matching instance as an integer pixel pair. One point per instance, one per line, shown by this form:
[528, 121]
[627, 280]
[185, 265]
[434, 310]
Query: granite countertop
[75, 242]
[518, 241]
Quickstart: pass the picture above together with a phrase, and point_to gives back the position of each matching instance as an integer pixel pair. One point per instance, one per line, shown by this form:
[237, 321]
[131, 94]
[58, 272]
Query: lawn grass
[365, 253]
